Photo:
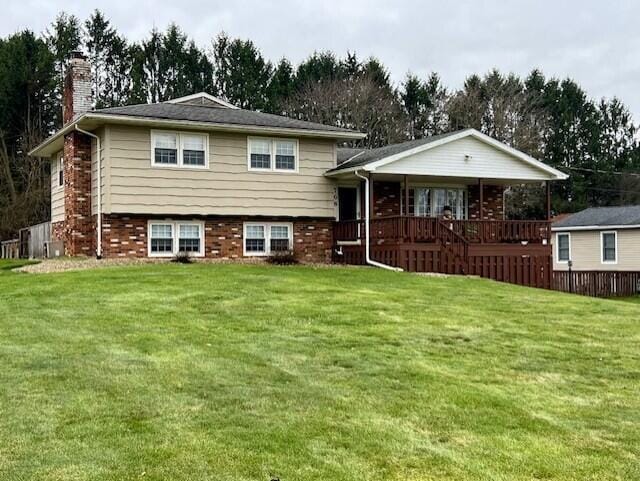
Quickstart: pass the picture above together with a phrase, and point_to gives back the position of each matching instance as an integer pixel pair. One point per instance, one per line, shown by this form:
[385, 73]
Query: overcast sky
[595, 42]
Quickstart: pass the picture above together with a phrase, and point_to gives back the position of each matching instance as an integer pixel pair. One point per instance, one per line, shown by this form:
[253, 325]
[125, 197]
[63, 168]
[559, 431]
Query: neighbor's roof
[594, 218]
[199, 111]
[350, 160]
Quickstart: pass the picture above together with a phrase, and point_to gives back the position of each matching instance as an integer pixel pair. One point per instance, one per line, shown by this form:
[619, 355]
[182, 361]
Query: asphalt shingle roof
[602, 216]
[366, 156]
[200, 113]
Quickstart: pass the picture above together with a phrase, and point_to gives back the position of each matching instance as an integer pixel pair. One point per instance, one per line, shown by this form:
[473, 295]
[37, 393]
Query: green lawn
[234, 372]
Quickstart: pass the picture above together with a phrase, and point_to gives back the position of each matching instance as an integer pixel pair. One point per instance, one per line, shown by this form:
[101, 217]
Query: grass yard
[239, 372]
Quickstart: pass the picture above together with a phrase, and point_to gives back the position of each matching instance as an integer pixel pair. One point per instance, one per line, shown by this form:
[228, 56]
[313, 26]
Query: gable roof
[594, 218]
[371, 159]
[199, 111]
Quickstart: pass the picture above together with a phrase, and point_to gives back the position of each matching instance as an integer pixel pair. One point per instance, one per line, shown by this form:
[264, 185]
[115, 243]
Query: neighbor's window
[609, 246]
[260, 154]
[564, 248]
[278, 155]
[168, 238]
[161, 239]
[267, 238]
[179, 149]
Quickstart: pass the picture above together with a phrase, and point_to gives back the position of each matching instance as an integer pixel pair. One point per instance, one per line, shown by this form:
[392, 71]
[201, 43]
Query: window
[264, 239]
[179, 149]
[609, 242]
[430, 201]
[189, 238]
[161, 239]
[285, 155]
[276, 155]
[260, 154]
[168, 238]
[563, 242]
[193, 150]
[61, 172]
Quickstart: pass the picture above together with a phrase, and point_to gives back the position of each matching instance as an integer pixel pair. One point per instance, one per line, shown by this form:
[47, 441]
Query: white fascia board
[205, 95]
[594, 227]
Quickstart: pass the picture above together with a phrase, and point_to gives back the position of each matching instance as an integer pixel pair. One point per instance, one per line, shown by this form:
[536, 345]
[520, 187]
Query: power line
[599, 171]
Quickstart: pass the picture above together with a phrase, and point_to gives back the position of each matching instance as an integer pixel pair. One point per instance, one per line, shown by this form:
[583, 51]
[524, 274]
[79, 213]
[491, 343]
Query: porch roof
[526, 168]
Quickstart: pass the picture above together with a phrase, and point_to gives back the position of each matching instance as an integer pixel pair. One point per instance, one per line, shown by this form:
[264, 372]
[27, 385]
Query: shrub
[182, 258]
[282, 258]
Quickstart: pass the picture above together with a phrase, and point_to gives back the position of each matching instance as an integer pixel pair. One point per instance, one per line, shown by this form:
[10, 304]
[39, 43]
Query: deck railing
[425, 229]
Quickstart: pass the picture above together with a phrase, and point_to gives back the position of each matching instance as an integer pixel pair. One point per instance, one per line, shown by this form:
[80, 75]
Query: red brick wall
[57, 231]
[386, 198]
[79, 230]
[126, 236]
[492, 200]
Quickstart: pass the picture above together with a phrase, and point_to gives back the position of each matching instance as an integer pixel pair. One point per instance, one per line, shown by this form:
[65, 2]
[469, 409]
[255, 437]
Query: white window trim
[558, 234]
[179, 145]
[175, 230]
[267, 237]
[432, 203]
[272, 163]
[615, 236]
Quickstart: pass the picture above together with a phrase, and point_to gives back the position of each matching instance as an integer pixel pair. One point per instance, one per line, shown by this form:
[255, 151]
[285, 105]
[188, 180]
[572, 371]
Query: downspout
[99, 190]
[367, 230]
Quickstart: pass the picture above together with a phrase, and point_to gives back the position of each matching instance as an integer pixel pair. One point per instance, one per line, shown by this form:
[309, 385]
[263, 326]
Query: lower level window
[262, 239]
[169, 238]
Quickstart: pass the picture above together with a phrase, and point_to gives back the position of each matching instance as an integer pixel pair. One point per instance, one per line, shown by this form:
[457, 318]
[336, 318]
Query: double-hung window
[563, 242]
[263, 239]
[609, 246]
[179, 149]
[168, 238]
[431, 201]
[276, 155]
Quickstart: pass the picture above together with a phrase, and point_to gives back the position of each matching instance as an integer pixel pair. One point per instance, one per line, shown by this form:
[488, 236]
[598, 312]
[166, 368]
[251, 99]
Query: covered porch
[437, 205]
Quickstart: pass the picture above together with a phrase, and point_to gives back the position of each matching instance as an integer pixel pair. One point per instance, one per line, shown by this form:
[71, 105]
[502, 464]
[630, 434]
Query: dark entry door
[347, 203]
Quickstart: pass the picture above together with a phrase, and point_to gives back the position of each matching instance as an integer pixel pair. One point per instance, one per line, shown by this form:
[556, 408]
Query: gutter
[99, 190]
[367, 248]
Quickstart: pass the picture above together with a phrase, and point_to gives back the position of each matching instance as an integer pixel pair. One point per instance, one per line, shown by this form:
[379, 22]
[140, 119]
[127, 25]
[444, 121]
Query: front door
[347, 203]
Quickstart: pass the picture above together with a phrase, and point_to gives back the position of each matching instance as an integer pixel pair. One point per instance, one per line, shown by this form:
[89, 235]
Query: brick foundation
[126, 236]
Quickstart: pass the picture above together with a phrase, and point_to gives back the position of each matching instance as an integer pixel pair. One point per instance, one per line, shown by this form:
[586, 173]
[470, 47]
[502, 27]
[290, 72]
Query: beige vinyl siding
[102, 133]
[586, 251]
[449, 160]
[57, 192]
[227, 187]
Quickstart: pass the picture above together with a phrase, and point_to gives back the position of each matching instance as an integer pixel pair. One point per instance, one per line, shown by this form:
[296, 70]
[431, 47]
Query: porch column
[548, 186]
[406, 195]
[481, 208]
[371, 196]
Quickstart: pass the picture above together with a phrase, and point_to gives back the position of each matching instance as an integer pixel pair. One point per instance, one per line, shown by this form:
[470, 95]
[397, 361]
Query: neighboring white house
[598, 239]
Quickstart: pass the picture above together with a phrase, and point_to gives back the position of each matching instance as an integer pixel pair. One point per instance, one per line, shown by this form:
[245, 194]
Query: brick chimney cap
[78, 54]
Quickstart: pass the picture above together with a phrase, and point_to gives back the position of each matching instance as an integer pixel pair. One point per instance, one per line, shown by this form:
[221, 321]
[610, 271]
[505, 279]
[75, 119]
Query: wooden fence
[597, 283]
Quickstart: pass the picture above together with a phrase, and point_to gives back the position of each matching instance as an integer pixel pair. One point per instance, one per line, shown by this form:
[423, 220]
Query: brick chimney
[76, 95]
[79, 223]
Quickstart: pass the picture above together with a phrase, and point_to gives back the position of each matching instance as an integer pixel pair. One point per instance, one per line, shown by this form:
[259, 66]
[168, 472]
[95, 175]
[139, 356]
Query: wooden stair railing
[454, 245]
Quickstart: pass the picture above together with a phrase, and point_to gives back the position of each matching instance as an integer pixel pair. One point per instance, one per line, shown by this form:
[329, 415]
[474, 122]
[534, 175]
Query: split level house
[198, 175]
[598, 239]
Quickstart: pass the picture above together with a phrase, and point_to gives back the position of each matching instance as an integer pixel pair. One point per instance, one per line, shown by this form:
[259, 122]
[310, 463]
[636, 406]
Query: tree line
[551, 119]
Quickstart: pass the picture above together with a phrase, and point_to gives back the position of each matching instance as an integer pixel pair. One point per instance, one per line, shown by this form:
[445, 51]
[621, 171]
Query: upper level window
[179, 149]
[278, 155]
[609, 241]
[563, 242]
